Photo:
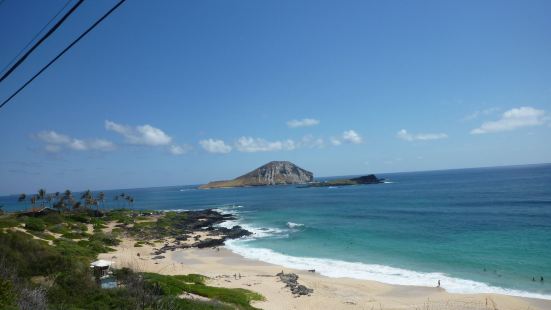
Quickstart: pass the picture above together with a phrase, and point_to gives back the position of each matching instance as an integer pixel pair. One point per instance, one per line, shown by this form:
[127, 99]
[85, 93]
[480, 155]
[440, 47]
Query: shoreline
[334, 268]
[228, 269]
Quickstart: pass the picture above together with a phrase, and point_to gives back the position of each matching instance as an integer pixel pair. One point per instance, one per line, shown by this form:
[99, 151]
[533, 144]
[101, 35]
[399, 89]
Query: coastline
[223, 267]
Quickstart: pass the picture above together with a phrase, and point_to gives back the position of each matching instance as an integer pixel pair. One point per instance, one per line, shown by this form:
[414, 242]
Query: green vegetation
[8, 221]
[34, 224]
[165, 226]
[53, 272]
[195, 284]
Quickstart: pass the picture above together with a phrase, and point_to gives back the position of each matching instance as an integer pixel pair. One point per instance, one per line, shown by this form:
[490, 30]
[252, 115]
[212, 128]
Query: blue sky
[184, 92]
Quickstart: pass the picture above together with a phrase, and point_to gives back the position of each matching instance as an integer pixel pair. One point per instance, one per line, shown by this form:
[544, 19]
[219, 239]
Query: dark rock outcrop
[204, 221]
[366, 179]
[291, 281]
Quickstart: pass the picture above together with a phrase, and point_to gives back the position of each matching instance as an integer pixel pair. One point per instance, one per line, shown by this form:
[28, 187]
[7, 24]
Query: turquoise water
[476, 230]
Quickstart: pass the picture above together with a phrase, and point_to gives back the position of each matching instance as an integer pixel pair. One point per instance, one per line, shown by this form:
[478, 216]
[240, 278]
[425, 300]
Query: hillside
[272, 173]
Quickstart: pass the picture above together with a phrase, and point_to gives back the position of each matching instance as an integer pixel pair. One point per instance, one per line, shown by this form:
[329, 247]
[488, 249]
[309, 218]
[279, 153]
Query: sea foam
[381, 273]
[355, 270]
[294, 225]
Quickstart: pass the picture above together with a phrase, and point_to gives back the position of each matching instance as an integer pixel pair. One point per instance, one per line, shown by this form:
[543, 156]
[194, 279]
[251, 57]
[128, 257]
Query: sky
[185, 92]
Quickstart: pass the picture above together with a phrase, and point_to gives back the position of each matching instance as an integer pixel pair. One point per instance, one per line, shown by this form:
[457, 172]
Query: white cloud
[349, 136]
[305, 122]
[479, 113]
[352, 136]
[335, 141]
[53, 137]
[52, 148]
[309, 141]
[179, 149]
[78, 145]
[513, 119]
[215, 146]
[56, 142]
[405, 135]
[250, 145]
[144, 135]
[101, 145]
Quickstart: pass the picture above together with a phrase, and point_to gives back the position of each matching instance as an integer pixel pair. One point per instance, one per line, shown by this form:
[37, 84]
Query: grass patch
[76, 235]
[34, 224]
[106, 239]
[176, 285]
[8, 221]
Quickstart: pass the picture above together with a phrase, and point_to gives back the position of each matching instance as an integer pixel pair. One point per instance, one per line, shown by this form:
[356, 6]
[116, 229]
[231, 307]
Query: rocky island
[366, 179]
[272, 173]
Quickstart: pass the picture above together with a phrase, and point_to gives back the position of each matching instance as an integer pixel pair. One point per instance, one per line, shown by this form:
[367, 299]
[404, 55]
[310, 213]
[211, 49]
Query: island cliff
[272, 173]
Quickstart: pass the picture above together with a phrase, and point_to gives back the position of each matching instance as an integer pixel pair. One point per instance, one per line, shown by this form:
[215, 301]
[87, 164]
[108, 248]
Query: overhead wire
[35, 36]
[39, 42]
[63, 52]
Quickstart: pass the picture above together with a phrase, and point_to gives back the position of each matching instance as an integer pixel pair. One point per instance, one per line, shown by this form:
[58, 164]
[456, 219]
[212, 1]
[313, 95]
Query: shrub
[80, 217]
[59, 228]
[35, 224]
[8, 297]
[53, 219]
[106, 239]
[175, 285]
[8, 221]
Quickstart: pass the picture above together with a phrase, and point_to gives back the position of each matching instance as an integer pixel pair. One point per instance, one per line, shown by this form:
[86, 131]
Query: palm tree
[41, 196]
[67, 194]
[33, 201]
[68, 197]
[101, 198]
[130, 200]
[22, 198]
[60, 205]
[87, 197]
[49, 200]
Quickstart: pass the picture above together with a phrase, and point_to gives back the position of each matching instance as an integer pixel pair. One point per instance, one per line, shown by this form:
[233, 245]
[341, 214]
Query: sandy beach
[227, 269]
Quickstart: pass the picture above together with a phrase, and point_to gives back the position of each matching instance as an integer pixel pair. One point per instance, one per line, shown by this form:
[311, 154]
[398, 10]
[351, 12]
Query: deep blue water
[476, 230]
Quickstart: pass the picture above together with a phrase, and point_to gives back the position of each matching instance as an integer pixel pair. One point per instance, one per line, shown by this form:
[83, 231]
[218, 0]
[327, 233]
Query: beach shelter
[101, 267]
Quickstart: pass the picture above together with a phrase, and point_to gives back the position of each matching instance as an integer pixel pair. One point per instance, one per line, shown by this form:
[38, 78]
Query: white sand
[329, 293]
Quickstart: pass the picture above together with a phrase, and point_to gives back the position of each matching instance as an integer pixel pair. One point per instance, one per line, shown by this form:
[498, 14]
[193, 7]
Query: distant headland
[284, 173]
[272, 173]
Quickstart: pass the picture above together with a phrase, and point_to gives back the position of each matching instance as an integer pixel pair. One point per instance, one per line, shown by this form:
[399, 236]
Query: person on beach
[438, 283]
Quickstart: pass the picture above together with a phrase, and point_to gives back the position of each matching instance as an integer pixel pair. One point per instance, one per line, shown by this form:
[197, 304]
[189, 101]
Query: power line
[35, 36]
[63, 52]
[52, 30]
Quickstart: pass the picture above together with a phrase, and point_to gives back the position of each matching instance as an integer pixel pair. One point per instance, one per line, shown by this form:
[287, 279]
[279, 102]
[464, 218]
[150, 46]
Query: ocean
[481, 230]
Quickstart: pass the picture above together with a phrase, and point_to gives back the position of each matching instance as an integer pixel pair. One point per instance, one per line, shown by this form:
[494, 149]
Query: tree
[101, 198]
[77, 205]
[130, 200]
[41, 196]
[22, 198]
[60, 205]
[33, 201]
[87, 198]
